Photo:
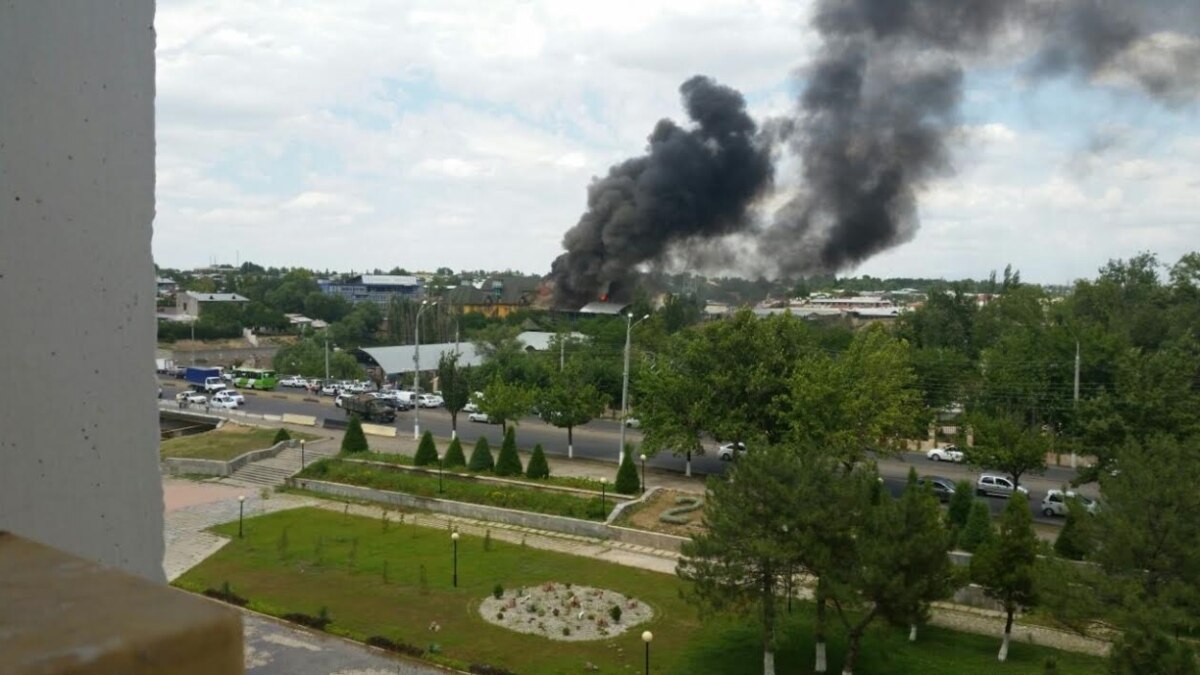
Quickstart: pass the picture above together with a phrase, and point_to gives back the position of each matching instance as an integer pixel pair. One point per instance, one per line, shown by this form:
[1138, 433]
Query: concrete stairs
[273, 471]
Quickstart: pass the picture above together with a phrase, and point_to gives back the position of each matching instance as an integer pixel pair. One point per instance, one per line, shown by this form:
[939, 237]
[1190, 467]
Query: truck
[204, 379]
[368, 408]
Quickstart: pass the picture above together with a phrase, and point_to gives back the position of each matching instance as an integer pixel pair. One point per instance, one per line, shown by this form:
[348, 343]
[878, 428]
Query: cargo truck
[368, 408]
[207, 380]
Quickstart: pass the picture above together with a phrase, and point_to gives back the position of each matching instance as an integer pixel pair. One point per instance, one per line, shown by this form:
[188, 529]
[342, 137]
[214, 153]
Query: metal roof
[540, 340]
[217, 297]
[399, 359]
[612, 308]
[389, 280]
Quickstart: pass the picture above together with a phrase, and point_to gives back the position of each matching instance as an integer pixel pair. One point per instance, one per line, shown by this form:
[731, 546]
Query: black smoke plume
[692, 183]
[872, 127]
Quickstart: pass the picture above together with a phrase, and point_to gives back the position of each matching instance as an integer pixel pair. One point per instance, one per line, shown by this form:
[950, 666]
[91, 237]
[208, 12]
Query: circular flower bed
[565, 612]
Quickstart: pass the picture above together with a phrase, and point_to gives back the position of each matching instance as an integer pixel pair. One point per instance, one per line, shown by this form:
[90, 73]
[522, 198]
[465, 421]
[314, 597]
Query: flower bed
[565, 612]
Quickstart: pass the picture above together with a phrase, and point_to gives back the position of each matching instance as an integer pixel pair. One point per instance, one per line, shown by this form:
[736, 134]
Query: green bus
[254, 378]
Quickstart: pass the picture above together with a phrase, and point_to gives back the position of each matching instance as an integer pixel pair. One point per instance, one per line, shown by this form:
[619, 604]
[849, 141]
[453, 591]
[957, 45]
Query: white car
[231, 396]
[633, 423]
[227, 403]
[429, 401]
[470, 408]
[949, 453]
[191, 397]
[1055, 503]
[481, 417]
[329, 389]
[726, 452]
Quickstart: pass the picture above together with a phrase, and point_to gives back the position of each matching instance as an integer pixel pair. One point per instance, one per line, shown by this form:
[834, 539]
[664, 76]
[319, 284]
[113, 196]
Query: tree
[1075, 539]
[570, 401]
[481, 456]
[354, 440]
[1003, 443]
[538, 467]
[426, 451]
[281, 436]
[736, 562]
[1145, 647]
[508, 463]
[454, 455]
[978, 530]
[627, 475]
[455, 382]
[959, 509]
[1005, 566]
[505, 402]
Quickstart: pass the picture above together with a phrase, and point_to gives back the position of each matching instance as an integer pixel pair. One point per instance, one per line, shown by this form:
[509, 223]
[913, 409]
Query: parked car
[726, 452]
[470, 408]
[481, 417]
[943, 488]
[229, 395]
[429, 401]
[1056, 502]
[341, 396]
[633, 423]
[992, 485]
[329, 389]
[950, 453]
[191, 397]
[293, 381]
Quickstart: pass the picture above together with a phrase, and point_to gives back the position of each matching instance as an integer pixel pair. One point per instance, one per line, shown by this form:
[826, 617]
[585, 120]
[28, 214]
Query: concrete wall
[216, 467]
[77, 285]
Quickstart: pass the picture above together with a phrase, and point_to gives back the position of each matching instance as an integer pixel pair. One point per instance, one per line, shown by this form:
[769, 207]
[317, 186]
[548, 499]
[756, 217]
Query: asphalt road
[600, 440]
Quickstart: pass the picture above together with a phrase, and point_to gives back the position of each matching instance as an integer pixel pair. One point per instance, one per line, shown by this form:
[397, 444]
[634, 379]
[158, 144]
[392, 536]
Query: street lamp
[425, 304]
[603, 486]
[643, 473]
[647, 636]
[241, 513]
[301, 454]
[629, 324]
[441, 464]
[454, 541]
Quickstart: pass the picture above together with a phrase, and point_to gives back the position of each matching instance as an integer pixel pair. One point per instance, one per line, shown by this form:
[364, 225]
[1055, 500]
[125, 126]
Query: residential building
[377, 288]
[496, 297]
[165, 286]
[192, 303]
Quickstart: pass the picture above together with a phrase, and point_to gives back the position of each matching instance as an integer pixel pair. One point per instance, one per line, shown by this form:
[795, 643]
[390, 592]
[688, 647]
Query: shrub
[959, 509]
[979, 527]
[485, 669]
[1074, 539]
[226, 594]
[354, 439]
[627, 475]
[281, 436]
[509, 463]
[538, 466]
[398, 647]
[497, 591]
[454, 455]
[481, 456]
[615, 613]
[426, 451]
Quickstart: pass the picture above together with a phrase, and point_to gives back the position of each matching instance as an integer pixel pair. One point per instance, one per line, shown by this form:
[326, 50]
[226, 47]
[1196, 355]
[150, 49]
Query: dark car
[943, 488]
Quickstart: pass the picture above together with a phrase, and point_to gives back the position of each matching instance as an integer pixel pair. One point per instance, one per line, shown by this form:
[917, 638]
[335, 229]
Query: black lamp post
[603, 487]
[241, 513]
[643, 473]
[302, 454]
[454, 541]
[441, 465]
[647, 636]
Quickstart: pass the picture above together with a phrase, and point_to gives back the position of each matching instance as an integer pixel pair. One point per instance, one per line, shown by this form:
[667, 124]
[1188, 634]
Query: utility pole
[562, 351]
[417, 369]
[327, 358]
[1073, 457]
[629, 324]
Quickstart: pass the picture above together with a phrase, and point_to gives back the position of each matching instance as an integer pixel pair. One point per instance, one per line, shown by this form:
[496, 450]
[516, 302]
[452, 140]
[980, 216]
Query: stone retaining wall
[216, 467]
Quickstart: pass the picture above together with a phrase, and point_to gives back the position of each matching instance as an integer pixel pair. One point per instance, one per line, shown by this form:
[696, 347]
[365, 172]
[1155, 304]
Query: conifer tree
[426, 451]
[354, 439]
[538, 466]
[481, 456]
[509, 463]
[454, 455]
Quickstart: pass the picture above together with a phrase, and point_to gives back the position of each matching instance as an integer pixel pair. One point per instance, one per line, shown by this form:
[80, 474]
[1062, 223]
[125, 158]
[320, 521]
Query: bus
[254, 378]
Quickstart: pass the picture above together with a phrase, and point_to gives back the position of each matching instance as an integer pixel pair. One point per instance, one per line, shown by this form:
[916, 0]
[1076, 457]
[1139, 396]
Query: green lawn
[225, 443]
[331, 560]
[558, 481]
[459, 489]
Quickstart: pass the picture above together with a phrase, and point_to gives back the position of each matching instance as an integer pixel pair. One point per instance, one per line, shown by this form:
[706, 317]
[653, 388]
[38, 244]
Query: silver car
[993, 485]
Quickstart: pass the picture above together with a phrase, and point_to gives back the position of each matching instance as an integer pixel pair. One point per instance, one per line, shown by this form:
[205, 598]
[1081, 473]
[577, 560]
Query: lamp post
[327, 357]
[643, 473]
[454, 541]
[241, 512]
[629, 324]
[603, 486]
[441, 465]
[301, 454]
[647, 636]
[425, 304]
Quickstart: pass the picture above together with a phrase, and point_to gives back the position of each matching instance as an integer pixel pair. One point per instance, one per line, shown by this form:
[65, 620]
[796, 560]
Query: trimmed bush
[481, 456]
[627, 476]
[454, 455]
[538, 466]
[979, 527]
[509, 463]
[281, 436]
[426, 451]
[354, 439]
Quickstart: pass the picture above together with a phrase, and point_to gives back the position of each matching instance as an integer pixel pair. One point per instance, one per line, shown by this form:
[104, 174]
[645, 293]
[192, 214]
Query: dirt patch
[648, 516]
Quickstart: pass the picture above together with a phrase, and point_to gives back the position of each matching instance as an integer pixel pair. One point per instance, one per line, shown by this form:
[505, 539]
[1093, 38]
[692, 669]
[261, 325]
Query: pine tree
[281, 436]
[426, 451]
[1074, 540]
[1004, 566]
[979, 527]
[959, 509]
[509, 463]
[627, 475]
[354, 439]
[538, 466]
[481, 456]
[454, 455]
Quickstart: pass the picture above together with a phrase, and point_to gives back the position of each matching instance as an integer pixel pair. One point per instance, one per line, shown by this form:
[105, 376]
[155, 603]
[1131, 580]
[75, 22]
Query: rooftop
[217, 297]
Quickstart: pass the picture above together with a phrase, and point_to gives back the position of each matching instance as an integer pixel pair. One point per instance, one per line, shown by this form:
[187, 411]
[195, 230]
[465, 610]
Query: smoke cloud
[872, 127]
